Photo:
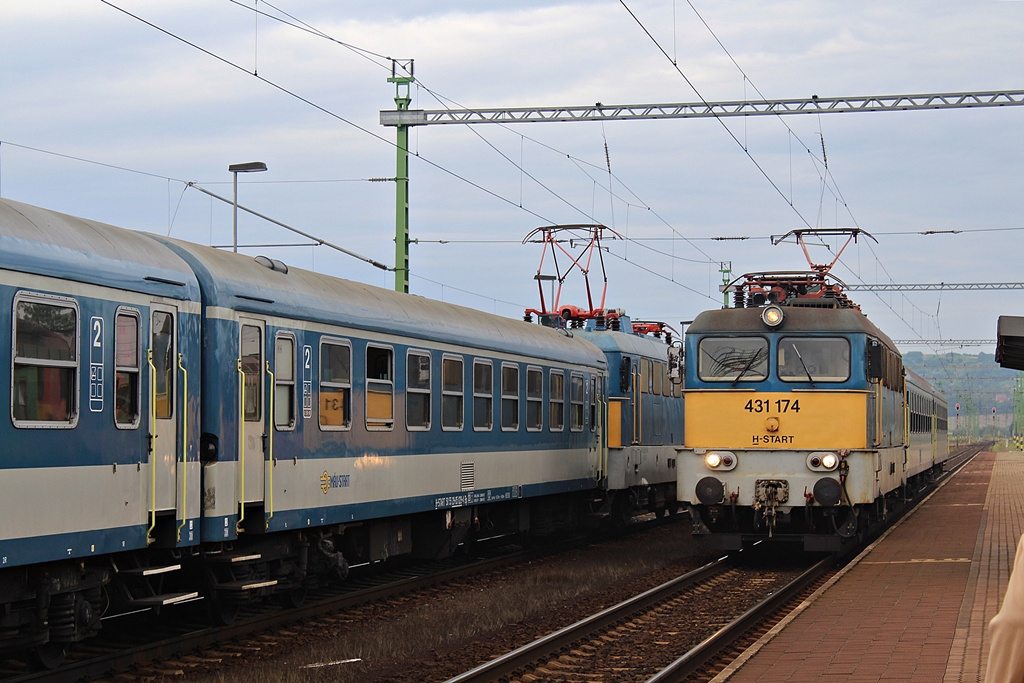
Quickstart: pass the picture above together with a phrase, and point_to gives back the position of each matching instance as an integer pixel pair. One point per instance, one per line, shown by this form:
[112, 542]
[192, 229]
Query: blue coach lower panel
[313, 492]
[223, 527]
[55, 513]
[31, 550]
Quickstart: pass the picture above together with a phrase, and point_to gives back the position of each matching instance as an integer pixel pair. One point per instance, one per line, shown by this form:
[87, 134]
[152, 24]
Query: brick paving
[916, 605]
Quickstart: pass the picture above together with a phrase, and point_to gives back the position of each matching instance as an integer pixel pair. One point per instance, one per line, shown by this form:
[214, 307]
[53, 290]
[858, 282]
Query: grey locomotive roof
[237, 281]
[921, 383]
[798, 319]
[44, 242]
[625, 342]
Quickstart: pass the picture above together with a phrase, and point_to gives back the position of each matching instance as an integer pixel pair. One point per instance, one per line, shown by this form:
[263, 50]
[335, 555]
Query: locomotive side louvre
[798, 430]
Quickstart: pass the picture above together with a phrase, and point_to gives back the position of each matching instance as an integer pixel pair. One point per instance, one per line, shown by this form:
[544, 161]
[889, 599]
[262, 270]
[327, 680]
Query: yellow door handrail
[878, 413]
[241, 445]
[184, 446]
[152, 446]
[270, 447]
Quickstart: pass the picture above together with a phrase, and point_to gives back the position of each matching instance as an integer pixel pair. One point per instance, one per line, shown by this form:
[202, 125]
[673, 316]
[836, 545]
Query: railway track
[145, 640]
[150, 646]
[639, 637]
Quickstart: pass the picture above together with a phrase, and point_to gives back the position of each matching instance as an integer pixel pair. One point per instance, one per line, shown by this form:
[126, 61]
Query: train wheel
[48, 655]
[222, 612]
[296, 597]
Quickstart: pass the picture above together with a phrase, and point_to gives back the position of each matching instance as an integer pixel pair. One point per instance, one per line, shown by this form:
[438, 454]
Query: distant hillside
[977, 383]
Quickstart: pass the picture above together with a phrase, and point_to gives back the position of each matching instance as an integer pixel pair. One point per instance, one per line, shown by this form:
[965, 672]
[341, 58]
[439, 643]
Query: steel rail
[508, 663]
[178, 638]
[205, 635]
[707, 650]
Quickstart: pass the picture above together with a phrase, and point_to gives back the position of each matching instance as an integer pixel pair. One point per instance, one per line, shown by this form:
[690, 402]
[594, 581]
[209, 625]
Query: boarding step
[245, 585]
[232, 558]
[165, 599]
[148, 571]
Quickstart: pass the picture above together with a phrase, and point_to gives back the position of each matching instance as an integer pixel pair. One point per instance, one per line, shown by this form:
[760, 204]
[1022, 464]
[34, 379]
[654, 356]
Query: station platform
[915, 605]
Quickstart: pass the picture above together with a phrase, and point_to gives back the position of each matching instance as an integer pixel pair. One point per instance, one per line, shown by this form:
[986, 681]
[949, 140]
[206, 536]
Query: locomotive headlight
[822, 461]
[720, 460]
[772, 316]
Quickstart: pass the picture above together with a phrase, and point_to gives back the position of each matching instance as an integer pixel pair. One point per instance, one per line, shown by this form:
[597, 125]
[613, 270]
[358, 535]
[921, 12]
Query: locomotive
[191, 423]
[802, 424]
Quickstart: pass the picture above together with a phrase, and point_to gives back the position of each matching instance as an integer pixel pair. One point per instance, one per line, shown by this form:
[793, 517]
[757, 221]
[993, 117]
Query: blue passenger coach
[100, 442]
[353, 403]
[187, 422]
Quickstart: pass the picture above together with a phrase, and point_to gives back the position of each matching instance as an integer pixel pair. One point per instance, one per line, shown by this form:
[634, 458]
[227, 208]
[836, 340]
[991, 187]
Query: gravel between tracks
[434, 634]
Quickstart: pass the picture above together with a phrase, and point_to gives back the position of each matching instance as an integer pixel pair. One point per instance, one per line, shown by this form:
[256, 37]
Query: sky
[109, 109]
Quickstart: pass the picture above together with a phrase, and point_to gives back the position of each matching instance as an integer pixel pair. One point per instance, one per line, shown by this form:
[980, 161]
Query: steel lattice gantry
[403, 117]
[944, 342]
[625, 112]
[934, 286]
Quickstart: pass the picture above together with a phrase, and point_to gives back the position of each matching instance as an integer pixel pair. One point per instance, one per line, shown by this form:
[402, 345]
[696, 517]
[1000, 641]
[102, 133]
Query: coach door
[251, 371]
[163, 405]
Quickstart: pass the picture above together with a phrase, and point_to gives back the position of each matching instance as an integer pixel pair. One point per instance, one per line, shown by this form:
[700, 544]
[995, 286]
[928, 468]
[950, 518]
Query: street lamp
[235, 169]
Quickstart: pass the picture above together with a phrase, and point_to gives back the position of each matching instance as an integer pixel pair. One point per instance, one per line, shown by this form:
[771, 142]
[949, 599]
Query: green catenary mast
[402, 100]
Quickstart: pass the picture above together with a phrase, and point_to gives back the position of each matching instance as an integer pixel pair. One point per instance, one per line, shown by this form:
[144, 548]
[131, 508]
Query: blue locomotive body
[802, 423]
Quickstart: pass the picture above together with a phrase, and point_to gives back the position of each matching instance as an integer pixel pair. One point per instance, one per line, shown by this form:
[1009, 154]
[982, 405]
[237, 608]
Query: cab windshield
[732, 359]
[814, 359]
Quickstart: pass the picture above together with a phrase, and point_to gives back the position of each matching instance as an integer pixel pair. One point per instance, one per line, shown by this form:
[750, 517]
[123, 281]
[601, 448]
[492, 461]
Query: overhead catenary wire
[826, 174]
[338, 117]
[443, 101]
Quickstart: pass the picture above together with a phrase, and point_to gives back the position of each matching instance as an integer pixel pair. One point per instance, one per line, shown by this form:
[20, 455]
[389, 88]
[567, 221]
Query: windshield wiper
[802, 363]
[757, 354]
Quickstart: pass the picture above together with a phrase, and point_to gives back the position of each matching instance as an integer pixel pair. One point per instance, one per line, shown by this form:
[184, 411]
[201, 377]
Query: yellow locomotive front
[795, 420]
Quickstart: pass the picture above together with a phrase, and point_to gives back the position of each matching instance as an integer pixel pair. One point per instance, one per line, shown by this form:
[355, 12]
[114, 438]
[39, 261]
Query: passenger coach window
[380, 388]
[594, 400]
[510, 397]
[814, 359]
[483, 395]
[163, 360]
[534, 399]
[452, 391]
[335, 385]
[284, 382]
[417, 390]
[45, 361]
[732, 359]
[557, 400]
[576, 403]
[126, 370]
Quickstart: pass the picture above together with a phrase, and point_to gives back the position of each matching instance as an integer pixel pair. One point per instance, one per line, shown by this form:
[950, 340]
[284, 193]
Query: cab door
[163, 408]
[252, 391]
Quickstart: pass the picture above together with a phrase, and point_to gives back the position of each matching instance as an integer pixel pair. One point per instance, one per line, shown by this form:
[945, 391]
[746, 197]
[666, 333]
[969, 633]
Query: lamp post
[235, 169]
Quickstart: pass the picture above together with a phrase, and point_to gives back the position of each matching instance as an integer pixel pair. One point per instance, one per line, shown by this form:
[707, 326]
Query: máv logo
[333, 481]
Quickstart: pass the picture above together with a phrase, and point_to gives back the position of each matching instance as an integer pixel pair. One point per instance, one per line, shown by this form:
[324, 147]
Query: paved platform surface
[916, 605]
